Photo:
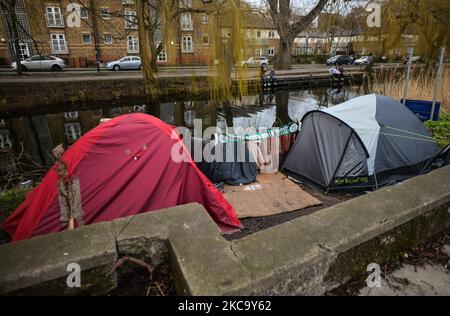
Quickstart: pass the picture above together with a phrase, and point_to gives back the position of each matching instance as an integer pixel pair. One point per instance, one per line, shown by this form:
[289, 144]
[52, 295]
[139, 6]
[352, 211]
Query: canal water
[37, 135]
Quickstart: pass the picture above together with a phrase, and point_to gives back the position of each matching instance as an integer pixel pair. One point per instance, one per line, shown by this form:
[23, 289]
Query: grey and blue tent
[367, 142]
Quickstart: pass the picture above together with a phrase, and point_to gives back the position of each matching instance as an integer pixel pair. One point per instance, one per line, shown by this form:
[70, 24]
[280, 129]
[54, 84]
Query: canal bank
[78, 93]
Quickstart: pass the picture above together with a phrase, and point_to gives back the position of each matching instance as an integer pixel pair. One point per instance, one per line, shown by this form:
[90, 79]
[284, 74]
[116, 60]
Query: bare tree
[290, 22]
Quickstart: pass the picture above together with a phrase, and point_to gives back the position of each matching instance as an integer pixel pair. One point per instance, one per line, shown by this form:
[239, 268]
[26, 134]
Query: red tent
[124, 167]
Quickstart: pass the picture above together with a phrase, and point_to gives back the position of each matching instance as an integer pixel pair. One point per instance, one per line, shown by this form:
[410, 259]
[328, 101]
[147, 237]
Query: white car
[258, 61]
[364, 60]
[125, 63]
[41, 62]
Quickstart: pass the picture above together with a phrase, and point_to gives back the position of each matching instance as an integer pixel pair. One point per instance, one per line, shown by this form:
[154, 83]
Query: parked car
[417, 59]
[340, 60]
[125, 63]
[258, 61]
[364, 60]
[41, 62]
[414, 60]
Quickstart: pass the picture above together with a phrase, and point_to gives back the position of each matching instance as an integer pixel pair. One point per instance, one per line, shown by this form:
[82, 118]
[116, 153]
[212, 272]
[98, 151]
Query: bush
[9, 201]
[440, 130]
[310, 59]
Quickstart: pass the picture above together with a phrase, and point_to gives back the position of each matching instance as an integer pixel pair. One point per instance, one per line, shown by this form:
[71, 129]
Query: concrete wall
[309, 255]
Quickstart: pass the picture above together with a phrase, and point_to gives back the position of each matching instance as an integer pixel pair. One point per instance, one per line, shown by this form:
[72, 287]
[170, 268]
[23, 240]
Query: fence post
[408, 73]
[437, 84]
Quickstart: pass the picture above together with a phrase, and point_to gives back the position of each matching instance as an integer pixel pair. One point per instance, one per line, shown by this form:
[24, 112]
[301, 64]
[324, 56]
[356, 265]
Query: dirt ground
[252, 225]
[139, 282]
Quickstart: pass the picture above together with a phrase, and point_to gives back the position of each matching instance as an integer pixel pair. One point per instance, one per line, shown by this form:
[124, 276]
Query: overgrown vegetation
[440, 129]
[9, 201]
[421, 85]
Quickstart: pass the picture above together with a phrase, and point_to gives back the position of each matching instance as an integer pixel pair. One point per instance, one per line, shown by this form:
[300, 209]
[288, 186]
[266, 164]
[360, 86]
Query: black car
[340, 60]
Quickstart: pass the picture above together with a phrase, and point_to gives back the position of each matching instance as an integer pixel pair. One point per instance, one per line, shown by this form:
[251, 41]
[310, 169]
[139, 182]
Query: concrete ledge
[308, 255]
[315, 253]
[30, 263]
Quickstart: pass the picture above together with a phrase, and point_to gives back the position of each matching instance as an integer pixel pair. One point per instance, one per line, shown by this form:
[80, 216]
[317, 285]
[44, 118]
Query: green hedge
[310, 59]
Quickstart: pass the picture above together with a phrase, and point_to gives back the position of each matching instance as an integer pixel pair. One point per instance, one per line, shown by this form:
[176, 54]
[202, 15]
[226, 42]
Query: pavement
[90, 74]
[427, 280]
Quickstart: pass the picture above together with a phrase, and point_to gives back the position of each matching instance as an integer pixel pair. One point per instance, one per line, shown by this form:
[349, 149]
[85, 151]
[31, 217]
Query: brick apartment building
[106, 26]
[48, 28]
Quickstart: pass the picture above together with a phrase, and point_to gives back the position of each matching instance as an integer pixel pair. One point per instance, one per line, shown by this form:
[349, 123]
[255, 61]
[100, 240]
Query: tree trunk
[93, 8]
[284, 59]
[150, 80]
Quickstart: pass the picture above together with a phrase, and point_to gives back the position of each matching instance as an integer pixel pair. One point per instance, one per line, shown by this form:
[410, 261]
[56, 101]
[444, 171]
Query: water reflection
[38, 134]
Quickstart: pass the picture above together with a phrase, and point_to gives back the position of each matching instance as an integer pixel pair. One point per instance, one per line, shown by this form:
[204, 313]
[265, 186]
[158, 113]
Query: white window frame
[258, 52]
[205, 18]
[186, 22]
[129, 23]
[187, 44]
[83, 9]
[185, 3]
[55, 15]
[72, 131]
[71, 116]
[271, 34]
[82, 38]
[58, 39]
[271, 51]
[134, 48]
[105, 13]
[24, 51]
[104, 39]
[162, 56]
[203, 39]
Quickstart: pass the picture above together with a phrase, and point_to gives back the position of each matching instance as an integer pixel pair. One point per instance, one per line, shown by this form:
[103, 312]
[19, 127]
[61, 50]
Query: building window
[24, 51]
[187, 45]
[271, 34]
[58, 43]
[54, 17]
[271, 51]
[84, 12]
[105, 14]
[5, 141]
[259, 52]
[162, 56]
[86, 38]
[72, 131]
[133, 44]
[108, 39]
[186, 3]
[258, 34]
[205, 18]
[130, 19]
[186, 22]
[71, 116]
[205, 39]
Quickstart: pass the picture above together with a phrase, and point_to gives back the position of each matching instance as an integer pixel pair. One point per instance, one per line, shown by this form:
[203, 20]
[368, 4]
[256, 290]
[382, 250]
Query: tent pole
[437, 85]
[408, 73]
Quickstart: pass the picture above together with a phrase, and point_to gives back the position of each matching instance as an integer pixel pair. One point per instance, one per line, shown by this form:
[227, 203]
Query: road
[90, 74]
